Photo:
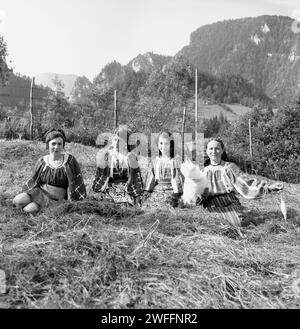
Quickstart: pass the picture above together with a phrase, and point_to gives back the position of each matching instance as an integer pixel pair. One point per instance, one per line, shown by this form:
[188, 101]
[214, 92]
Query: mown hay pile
[82, 259]
[98, 255]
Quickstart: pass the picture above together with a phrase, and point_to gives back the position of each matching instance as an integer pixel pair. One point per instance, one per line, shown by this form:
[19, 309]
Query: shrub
[275, 139]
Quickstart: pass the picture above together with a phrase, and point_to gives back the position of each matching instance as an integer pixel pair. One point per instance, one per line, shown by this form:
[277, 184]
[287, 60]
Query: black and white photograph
[149, 158]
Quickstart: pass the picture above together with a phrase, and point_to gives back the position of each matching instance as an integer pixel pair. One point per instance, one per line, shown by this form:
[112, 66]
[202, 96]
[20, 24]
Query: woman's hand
[138, 201]
[146, 195]
[274, 187]
[104, 187]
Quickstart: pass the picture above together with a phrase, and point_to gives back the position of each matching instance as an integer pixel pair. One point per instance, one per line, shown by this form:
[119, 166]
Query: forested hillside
[264, 50]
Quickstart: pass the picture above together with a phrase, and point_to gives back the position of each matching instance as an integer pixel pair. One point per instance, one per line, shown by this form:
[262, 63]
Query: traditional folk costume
[222, 181]
[49, 184]
[118, 177]
[165, 183]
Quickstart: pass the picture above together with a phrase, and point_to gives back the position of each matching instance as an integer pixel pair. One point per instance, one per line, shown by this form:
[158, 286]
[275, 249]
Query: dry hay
[93, 254]
[94, 206]
[15, 150]
[151, 260]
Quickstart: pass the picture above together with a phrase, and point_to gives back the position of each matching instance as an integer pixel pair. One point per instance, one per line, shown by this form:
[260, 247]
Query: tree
[152, 115]
[275, 139]
[4, 70]
[59, 111]
[214, 125]
[81, 91]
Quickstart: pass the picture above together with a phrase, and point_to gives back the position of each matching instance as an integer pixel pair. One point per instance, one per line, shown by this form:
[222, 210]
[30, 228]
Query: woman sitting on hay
[118, 176]
[164, 180]
[56, 176]
[218, 182]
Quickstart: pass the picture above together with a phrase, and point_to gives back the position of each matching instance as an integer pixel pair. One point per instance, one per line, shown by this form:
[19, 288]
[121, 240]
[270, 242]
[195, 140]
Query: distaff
[56, 176]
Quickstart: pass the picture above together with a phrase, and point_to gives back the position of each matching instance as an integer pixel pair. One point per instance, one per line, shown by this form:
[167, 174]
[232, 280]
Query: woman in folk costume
[56, 177]
[164, 181]
[222, 179]
[118, 176]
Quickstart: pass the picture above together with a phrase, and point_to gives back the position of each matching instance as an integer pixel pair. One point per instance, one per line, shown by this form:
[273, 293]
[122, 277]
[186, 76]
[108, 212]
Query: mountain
[114, 73]
[148, 62]
[46, 79]
[264, 50]
[109, 76]
[173, 76]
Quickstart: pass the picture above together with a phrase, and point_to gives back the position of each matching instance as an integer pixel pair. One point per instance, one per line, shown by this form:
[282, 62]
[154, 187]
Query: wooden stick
[250, 144]
[182, 131]
[31, 109]
[196, 101]
[115, 110]
[196, 111]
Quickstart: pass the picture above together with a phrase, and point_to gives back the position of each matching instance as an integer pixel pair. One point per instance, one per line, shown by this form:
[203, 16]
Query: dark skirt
[226, 207]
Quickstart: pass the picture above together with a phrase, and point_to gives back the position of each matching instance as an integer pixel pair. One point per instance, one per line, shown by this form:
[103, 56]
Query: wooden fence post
[250, 145]
[182, 131]
[31, 109]
[115, 110]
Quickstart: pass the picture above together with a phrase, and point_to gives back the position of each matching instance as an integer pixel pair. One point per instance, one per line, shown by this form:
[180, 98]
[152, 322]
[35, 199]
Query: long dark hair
[224, 156]
[168, 135]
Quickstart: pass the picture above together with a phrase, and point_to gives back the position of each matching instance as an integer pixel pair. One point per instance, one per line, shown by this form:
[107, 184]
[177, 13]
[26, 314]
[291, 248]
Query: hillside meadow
[230, 111]
[208, 111]
[93, 254]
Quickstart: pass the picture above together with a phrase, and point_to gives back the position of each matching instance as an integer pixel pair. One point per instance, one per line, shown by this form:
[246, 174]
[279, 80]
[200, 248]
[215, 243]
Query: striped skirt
[226, 207]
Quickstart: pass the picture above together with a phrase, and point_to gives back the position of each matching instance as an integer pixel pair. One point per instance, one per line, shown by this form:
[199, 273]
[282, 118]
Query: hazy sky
[81, 37]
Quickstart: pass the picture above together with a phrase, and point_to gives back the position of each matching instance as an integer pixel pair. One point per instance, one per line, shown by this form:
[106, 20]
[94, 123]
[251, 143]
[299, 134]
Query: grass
[97, 255]
[210, 111]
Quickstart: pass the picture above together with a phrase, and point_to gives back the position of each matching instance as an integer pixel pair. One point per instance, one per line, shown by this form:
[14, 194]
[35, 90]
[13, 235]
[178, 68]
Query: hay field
[95, 255]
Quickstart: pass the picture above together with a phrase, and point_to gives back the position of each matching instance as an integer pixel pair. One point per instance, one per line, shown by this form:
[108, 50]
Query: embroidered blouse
[68, 176]
[114, 167]
[227, 177]
[54, 176]
[165, 170]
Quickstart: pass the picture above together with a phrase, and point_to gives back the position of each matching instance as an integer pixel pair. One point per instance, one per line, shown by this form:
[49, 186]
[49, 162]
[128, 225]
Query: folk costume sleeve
[177, 177]
[102, 172]
[76, 189]
[34, 179]
[135, 183]
[248, 187]
[150, 180]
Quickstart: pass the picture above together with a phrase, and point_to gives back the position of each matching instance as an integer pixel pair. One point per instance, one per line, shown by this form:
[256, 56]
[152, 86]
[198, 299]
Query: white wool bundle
[194, 182]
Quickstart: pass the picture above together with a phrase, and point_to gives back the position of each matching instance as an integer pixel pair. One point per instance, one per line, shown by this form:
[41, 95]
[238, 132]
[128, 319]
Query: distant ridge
[148, 62]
